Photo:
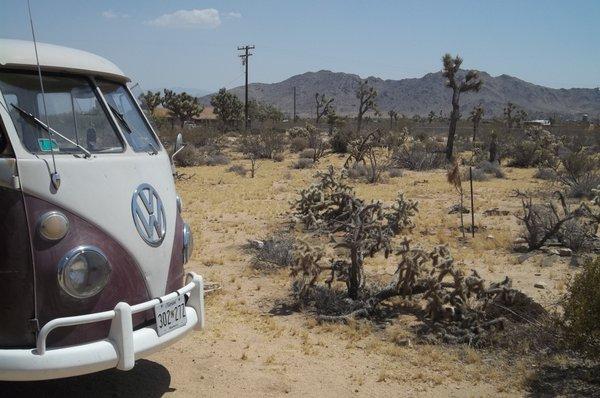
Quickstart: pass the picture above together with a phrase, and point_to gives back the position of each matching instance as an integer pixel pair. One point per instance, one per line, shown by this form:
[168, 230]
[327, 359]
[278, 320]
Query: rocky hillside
[425, 94]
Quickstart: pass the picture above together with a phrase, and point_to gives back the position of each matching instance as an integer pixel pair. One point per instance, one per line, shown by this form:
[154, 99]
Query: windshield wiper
[121, 118]
[28, 116]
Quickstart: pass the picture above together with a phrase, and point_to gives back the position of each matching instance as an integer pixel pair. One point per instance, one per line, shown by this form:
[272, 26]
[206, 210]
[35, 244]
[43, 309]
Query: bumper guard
[120, 349]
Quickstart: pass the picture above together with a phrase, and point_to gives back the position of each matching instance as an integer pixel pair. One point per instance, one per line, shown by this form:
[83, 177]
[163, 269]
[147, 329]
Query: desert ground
[256, 344]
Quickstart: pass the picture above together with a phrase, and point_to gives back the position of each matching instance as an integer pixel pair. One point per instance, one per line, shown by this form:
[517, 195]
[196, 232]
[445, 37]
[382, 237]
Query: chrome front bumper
[120, 349]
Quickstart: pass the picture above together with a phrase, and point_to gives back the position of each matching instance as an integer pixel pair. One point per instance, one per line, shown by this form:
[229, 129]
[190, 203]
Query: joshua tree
[393, 117]
[263, 112]
[366, 95]
[332, 120]
[227, 107]
[471, 82]
[182, 106]
[323, 106]
[431, 117]
[493, 147]
[513, 116]
[475, 117]
[152, 100]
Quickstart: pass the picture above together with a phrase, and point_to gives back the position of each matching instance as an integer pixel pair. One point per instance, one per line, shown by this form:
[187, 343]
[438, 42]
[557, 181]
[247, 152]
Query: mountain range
[420, 96]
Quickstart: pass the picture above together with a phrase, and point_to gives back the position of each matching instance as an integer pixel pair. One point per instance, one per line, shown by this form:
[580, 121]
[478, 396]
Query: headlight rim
[188, 242]
[45, 217]
[66, 260]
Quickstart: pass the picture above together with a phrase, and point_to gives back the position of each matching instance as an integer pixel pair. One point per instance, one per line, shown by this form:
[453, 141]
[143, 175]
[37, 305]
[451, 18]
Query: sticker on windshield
[47, 145]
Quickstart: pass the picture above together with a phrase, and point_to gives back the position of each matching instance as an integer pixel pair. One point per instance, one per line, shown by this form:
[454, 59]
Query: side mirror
[178, 143]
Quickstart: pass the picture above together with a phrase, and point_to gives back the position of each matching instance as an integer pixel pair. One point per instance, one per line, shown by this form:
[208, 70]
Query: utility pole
[294, 119]
[245, 61]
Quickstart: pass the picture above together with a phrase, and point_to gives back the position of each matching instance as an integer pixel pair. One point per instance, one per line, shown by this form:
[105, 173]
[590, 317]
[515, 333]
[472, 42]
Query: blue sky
[192, 43]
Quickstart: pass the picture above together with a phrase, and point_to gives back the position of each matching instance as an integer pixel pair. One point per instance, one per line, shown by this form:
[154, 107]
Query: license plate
[170, 315]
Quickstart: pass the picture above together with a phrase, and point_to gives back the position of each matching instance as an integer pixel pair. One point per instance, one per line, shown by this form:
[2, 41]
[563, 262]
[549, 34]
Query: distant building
[538, 122]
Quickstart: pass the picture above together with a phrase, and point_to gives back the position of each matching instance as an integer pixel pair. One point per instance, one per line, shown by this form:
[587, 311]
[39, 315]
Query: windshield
[74, 111]
[136, 130]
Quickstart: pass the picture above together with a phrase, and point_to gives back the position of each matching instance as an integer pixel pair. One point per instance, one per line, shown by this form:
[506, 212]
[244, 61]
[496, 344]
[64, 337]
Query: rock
[520, 240]
[539, 285]
[456, 208]
[404, 343]
[548, 261]
[549, 250]
[537, 274]
[521, 248]
[565, 252]
[524, 257]
[491, 237]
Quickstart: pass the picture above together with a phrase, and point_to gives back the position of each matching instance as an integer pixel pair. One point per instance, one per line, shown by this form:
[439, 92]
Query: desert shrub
[537, 148]
[308, 153]
[304, 163]
[316, 142]
[296, 132]
[395, 172]
[298, 144]
[483, 171]
[577, 235]
[339, 142]
[278, 157]
[189, 156]
[491, 168]
[197, 136]
[273, 251]
[522, 154]
[478, 175]
[575, 228]
[579, 172]
[545, 173]
[582, 310]
[273, 143]
[358, 170]
[213, 159]
[238, 169]
[419, 155]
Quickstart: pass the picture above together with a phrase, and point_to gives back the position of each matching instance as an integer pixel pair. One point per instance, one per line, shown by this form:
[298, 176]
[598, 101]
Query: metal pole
[472, 204]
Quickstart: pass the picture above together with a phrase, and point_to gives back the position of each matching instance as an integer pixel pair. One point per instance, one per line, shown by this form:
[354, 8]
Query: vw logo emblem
[149, 215]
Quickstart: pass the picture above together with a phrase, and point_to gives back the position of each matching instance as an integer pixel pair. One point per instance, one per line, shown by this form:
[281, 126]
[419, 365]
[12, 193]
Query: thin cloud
[207, 18]
[110, 14]
[233, 15]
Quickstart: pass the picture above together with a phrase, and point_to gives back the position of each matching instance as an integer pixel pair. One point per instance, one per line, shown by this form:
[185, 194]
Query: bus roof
[21, 54]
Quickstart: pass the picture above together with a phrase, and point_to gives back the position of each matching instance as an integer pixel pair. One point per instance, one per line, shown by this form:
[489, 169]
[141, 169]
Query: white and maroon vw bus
[92, 243]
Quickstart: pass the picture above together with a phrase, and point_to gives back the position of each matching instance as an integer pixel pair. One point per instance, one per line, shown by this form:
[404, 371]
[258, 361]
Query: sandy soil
[255, 346]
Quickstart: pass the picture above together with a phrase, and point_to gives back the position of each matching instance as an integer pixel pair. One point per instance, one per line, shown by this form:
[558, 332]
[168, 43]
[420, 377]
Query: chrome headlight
[83, 272]
[188, 242]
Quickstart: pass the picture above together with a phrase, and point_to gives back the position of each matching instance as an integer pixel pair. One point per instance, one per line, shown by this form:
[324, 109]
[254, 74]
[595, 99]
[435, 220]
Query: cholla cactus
[596, 199]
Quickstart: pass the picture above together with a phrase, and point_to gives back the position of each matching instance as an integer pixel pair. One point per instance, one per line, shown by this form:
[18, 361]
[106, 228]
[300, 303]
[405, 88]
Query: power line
[245, 61]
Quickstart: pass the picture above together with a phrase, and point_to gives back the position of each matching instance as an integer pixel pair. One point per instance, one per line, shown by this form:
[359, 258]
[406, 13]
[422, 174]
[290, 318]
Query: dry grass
[300, 356]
